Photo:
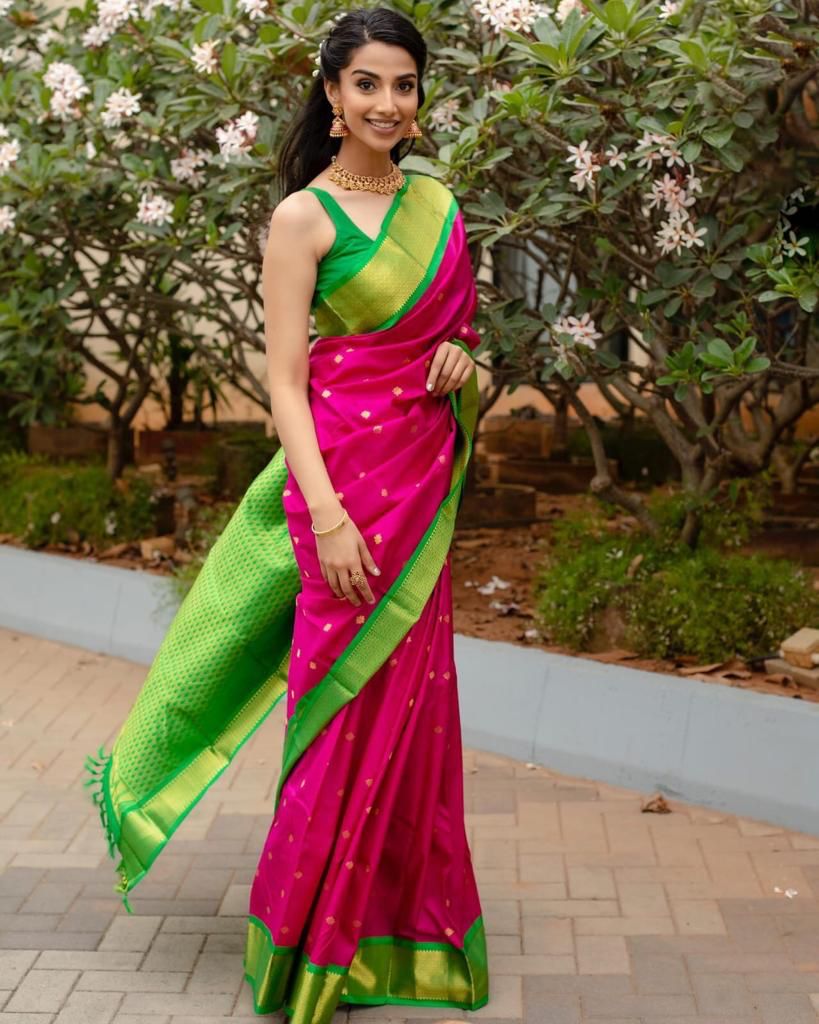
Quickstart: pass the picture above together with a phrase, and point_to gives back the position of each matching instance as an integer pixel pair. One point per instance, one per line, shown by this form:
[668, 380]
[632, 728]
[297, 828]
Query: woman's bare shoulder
[295, 213]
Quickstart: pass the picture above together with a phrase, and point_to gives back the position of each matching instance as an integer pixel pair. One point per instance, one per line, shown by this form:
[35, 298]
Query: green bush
[201, 536]
[47, 504]
[708, 603]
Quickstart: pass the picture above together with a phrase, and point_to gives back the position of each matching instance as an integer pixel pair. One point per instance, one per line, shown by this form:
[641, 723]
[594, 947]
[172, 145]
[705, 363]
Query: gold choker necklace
[385, 183]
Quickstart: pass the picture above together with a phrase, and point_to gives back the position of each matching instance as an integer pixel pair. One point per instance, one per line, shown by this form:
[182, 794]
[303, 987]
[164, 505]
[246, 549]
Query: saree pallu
[365, 891]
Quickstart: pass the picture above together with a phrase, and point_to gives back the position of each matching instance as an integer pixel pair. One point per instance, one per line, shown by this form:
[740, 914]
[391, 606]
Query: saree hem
[384, 970]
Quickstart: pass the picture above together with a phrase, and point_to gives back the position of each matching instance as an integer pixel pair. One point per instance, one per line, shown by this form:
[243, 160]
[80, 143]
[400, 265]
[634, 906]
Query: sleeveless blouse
[352, 248]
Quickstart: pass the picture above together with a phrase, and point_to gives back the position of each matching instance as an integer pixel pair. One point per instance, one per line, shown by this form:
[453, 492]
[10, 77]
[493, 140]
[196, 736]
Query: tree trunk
[560, 430]
[119, 448]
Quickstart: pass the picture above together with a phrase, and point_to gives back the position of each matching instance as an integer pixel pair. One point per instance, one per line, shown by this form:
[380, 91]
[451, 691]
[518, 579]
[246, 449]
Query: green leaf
[720, 347]
[743, 119]
[608, 359]
[171, 47]
[616, 15]
[722, 271]
[705, 287]
[229, 60]
[672, 306]
[691, 150]
[695, 54]
[757, 364]
[718, 137]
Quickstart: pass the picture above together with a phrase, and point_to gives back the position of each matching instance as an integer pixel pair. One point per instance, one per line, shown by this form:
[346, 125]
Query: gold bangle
[340, 523]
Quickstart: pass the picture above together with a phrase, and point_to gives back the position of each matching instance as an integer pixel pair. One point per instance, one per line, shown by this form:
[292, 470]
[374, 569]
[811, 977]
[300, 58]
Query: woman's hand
[451, 368]
[342, 553]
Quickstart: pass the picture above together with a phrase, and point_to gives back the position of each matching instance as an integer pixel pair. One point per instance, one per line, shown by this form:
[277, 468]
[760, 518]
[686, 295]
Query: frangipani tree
[637, 156]
[655, 160]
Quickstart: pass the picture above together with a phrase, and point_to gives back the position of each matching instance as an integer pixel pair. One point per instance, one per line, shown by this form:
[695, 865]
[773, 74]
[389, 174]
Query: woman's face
[379, 87]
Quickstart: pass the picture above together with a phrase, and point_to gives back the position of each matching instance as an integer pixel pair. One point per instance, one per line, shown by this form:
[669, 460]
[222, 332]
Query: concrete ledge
[740, 752]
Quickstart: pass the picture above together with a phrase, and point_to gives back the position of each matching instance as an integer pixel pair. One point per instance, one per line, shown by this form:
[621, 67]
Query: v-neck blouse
[352, 247]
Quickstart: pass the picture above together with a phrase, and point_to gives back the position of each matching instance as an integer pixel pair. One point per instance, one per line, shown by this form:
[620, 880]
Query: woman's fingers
[347, 588]
[461, 372]
[446, 358]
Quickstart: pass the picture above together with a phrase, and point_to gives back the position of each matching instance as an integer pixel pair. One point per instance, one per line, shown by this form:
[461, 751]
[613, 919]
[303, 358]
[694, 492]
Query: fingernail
[429, 387]
[377, 571]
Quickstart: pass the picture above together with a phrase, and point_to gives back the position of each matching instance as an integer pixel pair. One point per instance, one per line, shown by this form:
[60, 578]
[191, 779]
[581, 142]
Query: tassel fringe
[97, 769]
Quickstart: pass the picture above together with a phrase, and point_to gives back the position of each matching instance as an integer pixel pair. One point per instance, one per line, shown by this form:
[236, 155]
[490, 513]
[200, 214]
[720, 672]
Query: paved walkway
[595, 911]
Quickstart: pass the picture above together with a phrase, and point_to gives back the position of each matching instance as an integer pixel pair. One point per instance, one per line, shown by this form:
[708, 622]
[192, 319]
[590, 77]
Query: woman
[331, 583]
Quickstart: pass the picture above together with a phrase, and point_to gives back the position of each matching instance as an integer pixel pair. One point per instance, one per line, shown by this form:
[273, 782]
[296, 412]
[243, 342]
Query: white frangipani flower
[44, 39]
[7, 217]
[113, 13]
[9, 151]
[90, 150]
[237, 136]
[7, 55]
[68, 87]
[96, 36]
[248, 123]
[183, 168]
[154, 209]
[510, 15]
[793, 246]
[205, 58]
[692, 235]
[122, 103]
[580, 155]
[679, 232]
[616, 158]
[5, 7]
[254, 8]
[585, 163]
[669, 9]
[583, 331]
[565, 8]
[583, 177]
[444, 116]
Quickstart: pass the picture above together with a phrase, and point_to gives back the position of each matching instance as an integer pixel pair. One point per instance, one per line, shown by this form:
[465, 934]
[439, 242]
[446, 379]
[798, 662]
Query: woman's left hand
[451, 368]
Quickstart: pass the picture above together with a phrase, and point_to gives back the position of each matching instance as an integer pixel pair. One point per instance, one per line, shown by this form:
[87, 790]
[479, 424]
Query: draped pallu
[365, 891]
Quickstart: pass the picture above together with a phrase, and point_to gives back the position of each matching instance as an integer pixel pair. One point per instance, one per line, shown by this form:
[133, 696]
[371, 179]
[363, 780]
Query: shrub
[675, 601]
[70, 503]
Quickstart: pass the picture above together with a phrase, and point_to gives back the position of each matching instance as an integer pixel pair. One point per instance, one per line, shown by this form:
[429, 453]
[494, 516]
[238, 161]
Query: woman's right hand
[342, 553]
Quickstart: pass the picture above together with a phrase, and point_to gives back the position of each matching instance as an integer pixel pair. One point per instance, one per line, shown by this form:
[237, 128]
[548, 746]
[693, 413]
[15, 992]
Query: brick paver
[595, 911]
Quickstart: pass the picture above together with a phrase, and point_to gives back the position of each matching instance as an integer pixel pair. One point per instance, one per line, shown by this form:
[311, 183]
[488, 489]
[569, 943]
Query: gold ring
[357, 579]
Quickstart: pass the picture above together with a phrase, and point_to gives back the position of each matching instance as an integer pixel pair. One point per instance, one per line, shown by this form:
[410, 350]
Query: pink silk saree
[364, 892]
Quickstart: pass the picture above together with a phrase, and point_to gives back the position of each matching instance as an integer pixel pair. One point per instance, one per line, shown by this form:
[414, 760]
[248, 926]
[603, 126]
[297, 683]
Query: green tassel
[96, 768]
[122, 888]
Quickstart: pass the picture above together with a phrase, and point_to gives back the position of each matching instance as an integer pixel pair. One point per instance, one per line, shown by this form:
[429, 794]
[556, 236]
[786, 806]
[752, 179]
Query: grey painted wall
[737, 751]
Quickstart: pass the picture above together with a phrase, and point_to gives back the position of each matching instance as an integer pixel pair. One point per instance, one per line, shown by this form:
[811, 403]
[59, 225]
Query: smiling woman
[331, 586]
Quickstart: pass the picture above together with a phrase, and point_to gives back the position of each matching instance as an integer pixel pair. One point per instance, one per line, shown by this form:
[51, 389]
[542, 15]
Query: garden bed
[484, 554]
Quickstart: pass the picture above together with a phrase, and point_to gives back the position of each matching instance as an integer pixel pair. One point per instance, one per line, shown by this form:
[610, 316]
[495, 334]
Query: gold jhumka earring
[413, 132]
[338, 129]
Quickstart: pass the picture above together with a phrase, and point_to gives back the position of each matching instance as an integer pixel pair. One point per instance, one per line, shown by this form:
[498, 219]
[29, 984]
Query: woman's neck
[358, 159]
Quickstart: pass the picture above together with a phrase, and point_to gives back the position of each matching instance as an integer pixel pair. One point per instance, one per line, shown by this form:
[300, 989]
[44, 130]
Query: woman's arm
[288, 280]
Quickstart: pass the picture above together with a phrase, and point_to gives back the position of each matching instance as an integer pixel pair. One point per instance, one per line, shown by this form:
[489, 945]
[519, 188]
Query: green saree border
[397, 611]
[384, 970]
[140, 828]
[408, 252]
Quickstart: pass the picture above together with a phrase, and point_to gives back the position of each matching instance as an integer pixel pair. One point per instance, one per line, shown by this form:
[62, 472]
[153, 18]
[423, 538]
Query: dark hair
[307, 146]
